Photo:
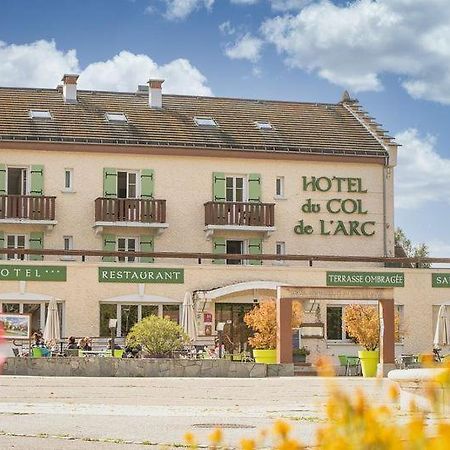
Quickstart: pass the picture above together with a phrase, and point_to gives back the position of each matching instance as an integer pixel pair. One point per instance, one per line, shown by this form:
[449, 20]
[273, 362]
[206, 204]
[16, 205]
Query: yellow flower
[281, 428]
[248, 444]
[189, 438]
[289, 444]
[393, 392]
[324, 367]
[216, 436]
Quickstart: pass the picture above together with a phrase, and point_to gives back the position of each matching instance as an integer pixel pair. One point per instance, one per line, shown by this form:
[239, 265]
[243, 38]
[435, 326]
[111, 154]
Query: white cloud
[287, 5]
[247, 47]
[41, 64]
[226, 28]
[354, 44]
[180, 9]
[422, 175]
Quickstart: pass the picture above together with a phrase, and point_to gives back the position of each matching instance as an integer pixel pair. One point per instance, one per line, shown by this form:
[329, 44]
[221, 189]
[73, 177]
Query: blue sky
[393, 55]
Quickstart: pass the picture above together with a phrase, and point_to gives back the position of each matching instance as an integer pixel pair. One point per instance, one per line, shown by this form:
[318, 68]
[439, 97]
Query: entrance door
[235, 332]
[17, 181]
[235, 248]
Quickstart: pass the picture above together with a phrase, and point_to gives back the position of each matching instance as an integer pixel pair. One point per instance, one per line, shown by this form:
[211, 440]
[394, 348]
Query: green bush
[157, 336]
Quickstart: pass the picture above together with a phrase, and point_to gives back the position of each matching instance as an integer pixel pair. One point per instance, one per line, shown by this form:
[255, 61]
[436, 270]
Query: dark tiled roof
[297, 127]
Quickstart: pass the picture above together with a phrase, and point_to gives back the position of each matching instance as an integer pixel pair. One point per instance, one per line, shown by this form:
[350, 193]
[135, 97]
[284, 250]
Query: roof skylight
[40, 114]
[116, 117]
[263, 125]
[205, 122]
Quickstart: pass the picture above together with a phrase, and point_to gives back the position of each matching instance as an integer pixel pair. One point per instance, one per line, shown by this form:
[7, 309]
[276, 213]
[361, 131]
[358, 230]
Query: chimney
[70, 88]
[155, 93]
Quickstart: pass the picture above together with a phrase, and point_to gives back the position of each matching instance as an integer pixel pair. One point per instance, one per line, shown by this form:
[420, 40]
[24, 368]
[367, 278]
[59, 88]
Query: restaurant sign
[370, 279]
[140, 275]
[33, 273]
[440, 280]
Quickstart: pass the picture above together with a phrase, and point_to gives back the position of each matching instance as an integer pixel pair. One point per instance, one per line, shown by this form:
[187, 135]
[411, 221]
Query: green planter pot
[265, 356]
[369, 362]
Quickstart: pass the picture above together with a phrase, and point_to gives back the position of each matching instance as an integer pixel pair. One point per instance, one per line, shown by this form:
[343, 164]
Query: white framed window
[235, 188]
[17, 180]
[280, 249]
[205, 122]
[116, 117]
[263, 125]
[236, 247]
[127, 244]
[279, 188]
[68, 180]
[16, 241]
[127, 184]
[43, 114]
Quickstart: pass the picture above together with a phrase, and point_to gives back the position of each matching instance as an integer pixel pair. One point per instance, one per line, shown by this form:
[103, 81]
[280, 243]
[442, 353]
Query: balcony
[239, 216]
[130, 212]
[27, 209]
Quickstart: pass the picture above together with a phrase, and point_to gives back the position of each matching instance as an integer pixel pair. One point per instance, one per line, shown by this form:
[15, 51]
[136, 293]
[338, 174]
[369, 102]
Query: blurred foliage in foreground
[352, 423]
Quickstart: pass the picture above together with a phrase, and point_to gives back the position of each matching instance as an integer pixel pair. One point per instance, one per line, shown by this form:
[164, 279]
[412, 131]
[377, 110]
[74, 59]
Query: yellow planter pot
[369, 362]
[265, 356]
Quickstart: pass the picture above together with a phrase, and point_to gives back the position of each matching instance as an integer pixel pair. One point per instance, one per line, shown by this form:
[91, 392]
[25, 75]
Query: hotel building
[93, 171]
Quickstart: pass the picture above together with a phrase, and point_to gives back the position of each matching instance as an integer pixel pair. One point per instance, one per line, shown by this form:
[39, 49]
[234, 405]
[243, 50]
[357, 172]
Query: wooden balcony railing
[28, 207]
[130, 210]
[238, 213]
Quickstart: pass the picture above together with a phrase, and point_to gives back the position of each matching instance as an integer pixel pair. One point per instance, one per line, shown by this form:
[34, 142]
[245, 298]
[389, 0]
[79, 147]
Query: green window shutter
[109, 245]
[255, 248]
[37, 180]
[254, 187]
[218, 184]
[109, 182]
[219, 247]
[2, 179]
[147, 183]
[2, 243]
[147, 246]
[36, 242]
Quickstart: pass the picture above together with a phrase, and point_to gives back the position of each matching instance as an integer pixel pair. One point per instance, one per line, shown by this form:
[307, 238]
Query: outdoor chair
[71, 352]
[342, 365]
[353, 365]
[16, 351]
[36, 352]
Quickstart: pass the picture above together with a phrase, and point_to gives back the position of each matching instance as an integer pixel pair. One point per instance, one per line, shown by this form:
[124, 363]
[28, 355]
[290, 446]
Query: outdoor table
[93, 353]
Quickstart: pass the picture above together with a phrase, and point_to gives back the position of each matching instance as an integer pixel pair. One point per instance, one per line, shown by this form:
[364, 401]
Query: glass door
[16, 241]
[235, 189]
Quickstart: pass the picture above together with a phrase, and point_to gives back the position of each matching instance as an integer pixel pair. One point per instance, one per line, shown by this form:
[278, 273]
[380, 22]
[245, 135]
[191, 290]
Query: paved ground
[135, 413]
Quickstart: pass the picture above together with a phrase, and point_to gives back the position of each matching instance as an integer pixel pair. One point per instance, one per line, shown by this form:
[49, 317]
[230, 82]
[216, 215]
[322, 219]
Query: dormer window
[116, 117]
[263, 125]
[40, 114]
[205, 122]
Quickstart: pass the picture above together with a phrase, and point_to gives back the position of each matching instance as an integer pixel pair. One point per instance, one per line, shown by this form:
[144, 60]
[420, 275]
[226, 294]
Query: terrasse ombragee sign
[33, 273]
[440, 280]
[373, 279]
[335, 205]
[140, 275]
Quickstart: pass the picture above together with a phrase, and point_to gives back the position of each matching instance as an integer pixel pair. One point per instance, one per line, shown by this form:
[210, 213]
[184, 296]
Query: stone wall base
[115, 367]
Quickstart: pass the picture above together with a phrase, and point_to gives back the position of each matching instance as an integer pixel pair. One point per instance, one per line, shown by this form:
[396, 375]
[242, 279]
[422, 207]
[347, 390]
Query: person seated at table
[71, 343]
[116, 346]
[39, 342]
[84, 344]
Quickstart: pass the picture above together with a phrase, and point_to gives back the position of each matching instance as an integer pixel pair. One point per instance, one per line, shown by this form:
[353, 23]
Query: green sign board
[374, 279]
[440, 280]
[140, 275]
[33, 273]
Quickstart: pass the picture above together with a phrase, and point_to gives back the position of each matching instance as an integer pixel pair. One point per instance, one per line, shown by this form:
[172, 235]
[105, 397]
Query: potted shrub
[362, 324]
[262, 319]
[300, 354]
[158, 337]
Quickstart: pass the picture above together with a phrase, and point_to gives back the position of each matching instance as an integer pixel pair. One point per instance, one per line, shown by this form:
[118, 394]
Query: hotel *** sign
[335, 205]
[440, 280]
[140, 275]
[33, 273]
[368, 279]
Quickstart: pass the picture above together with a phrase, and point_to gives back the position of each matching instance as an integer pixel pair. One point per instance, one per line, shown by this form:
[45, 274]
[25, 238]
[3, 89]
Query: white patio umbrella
[52, 331]
[188, 321]
[442, 333]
